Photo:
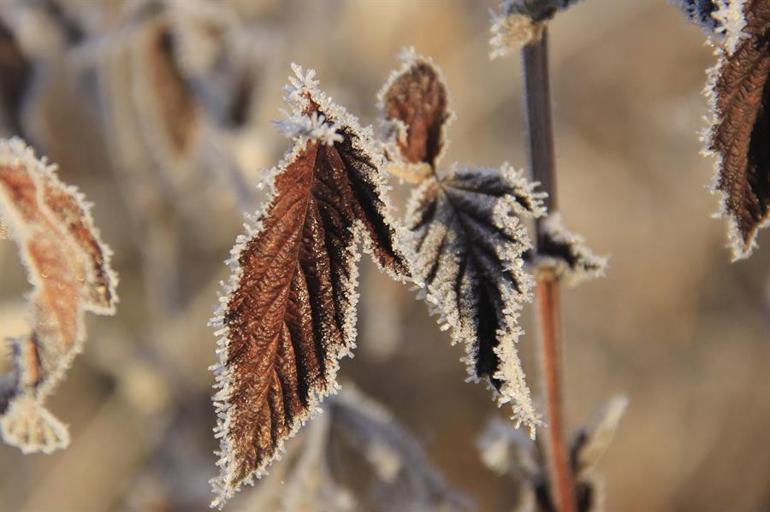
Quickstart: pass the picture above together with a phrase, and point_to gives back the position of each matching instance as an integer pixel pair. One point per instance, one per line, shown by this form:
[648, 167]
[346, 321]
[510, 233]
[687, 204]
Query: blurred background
[160, 112]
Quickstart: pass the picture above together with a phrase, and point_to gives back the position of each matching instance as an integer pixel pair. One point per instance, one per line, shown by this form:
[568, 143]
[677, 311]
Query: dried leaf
[289, 312]
[69, 268]
[740, 133]
[469, 242]
[565, 253]
[415, 104]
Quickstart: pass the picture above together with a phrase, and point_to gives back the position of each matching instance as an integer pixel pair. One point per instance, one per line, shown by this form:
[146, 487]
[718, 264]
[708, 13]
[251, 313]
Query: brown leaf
[69, 268]
[415, 104]
[290, 310]
[469, 242]
[740, 135]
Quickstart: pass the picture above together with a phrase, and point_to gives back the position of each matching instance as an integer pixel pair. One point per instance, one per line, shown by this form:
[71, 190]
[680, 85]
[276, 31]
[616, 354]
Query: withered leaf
[69, 268]
[415, 104]
[290, 310]
[565, 253]
[740, 133]
[469, 242]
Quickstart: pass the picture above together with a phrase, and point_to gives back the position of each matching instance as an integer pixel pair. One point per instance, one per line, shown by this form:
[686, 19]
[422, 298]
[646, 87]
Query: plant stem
[541, 160]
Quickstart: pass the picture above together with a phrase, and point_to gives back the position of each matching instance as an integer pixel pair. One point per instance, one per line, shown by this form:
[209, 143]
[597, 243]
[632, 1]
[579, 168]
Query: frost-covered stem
[541, 160]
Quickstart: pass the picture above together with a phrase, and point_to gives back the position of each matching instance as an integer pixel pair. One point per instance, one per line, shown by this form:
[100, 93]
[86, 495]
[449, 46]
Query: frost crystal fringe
[739, 126]
[288, 314]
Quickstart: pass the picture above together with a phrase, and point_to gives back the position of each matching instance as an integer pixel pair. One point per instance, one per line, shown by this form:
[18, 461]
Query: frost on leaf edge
[514, 389]
[302, 94]
[395, 129]
[728, 35]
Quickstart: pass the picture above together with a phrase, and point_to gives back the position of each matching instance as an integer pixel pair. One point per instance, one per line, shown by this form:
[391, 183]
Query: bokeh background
[162, 115]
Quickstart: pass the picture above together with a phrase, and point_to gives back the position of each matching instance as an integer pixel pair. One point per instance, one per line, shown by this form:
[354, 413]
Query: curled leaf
[69, 268]
[289, 313]
[739, 135]
[565, 253]
[415, 104]
[469, 242]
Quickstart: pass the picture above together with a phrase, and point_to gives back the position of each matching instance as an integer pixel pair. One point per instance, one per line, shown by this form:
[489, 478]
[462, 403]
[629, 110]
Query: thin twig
[541, 160]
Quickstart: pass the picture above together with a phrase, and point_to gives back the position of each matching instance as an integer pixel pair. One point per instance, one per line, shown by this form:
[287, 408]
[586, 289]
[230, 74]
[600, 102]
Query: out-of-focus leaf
[590, 443]
[355, 457]
[69, 268]
[504, 450]
[740, 132]
[289, 312]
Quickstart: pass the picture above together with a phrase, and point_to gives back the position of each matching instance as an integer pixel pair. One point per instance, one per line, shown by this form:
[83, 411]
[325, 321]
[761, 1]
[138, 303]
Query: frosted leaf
[354, 457]
[414, 103]
[469, 241]
[739, 94]
[519, 22]
[289, 311]
[565, 253]
[69, 268]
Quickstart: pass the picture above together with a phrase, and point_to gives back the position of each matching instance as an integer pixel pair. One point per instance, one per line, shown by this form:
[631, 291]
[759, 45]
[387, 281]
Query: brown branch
[541, 160]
